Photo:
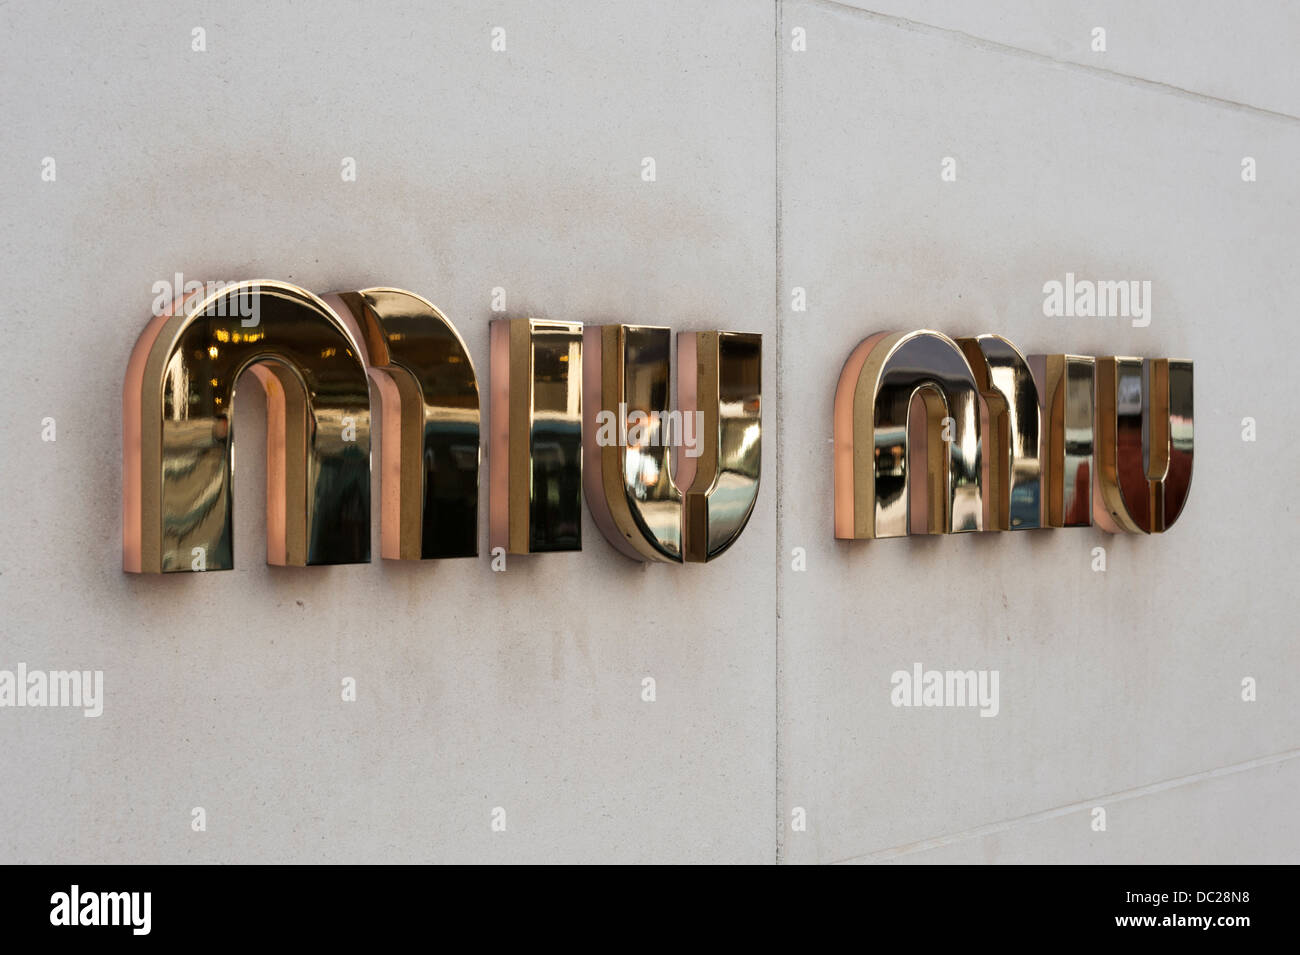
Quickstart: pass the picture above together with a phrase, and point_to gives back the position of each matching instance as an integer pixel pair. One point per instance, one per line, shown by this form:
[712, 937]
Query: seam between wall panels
[778, 833]
[1124, 795]
[993, 46]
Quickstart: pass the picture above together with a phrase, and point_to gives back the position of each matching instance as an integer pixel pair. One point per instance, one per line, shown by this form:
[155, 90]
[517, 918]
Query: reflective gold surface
[1066, 391]
[1070, 440]
[535, 459]
[178, 456]
[430, 421]
[650, 498]
[1145, 434]
[1013, 492]
[630, 490]
[1066, 440]
[872, 408]
[720, 498]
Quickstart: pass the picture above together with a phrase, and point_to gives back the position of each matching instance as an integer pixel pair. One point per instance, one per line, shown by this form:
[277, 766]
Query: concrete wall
[776, 169]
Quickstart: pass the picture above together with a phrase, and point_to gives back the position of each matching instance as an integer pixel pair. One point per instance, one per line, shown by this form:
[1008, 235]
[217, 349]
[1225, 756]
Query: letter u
[1143, 404]
[654, 502]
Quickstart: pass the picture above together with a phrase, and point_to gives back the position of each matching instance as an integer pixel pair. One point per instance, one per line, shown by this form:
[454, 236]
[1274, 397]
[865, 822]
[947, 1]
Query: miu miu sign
[1005, 442]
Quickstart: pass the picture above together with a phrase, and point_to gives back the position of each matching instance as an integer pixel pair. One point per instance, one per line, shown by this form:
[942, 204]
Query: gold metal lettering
[1144, 411]
[430, 419]
[872, 412]
[1012, 463]
[1065, 385]
[535, 454]
[178, 455]
[656, 494]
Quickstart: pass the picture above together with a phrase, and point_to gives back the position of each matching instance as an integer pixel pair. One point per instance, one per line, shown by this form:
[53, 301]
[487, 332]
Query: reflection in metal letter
[659, 487]
[430, 421]
[872, 408]
[629, 484]
[1013, 488]
[727, 368]
[535, 455]
[1144, 443]
[1065, 387]
[177, 431]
